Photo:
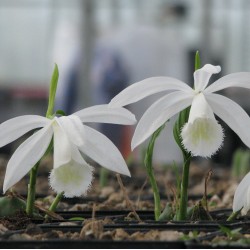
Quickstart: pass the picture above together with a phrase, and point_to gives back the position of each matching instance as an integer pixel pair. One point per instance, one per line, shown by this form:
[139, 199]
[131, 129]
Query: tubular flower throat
[202, 135]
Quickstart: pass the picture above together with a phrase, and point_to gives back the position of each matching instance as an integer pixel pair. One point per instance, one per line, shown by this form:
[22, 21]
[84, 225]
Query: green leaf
[77, 219]
[181, 121]
[52, 91]
[148, 163]
[167, 213]
[150, 149]
[197, 61]
[60, 112]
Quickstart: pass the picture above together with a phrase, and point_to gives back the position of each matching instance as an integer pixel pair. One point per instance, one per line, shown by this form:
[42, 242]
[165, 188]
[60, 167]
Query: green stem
[184, 190]
[157, 200]
[55, 203]
[148, 163]
[32, 190]
[33, 172]
[233, 216]
[103, 177]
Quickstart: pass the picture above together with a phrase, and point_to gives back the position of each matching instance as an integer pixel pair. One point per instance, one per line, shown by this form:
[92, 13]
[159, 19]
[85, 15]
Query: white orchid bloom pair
[201, 135]
[71, 174]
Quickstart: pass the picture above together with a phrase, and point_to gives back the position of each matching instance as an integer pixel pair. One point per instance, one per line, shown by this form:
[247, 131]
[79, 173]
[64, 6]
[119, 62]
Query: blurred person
[109, 77]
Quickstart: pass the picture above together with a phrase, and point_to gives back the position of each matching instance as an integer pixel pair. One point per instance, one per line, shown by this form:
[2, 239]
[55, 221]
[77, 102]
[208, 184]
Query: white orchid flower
[242, 196]
[71, 174]
[201, 135]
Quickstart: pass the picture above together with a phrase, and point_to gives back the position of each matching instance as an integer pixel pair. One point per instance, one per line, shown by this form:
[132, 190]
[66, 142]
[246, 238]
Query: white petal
[105, 114]
[241, 79]
[232, 114]
[158, 113]
[241, 193]
[200, 108]
[72, 127]
[26, 156]
[73, 179]
[246, 206]
[147, 87]
[202, 76]
[64, 149]
[100, 149]
[18, 126]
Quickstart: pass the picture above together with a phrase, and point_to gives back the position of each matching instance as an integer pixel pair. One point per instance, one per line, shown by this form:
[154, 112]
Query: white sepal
[106, 114]
[18, 126]
[100, 149]
[158, 113]
[232, 114]
[26, 156]
[241, 79]
[147, 87]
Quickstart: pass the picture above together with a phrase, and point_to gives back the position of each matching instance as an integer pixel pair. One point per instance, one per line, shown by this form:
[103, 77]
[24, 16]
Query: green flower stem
[32, 190]
[148, 163]
[157, 199]
[184, 190]
[33, 172]
[183, 119]
[233, 216]
[103, 177]
[55, 203]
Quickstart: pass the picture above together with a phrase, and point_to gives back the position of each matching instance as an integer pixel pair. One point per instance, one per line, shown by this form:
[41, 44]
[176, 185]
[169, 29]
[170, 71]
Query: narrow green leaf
[197, 61]
[77, 219]
[52, 91]
[148, 163]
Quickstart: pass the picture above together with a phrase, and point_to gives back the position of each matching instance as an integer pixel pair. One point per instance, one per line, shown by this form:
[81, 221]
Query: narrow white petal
[64, 149]
[18, 126]
[202, 76]
[105, 114]
[241, 193]
[232, 114]
[26, 156]
[241, 79]
[158, 113]
[147, 87]
[246, 206]
[200, 108]
[73, 179]
[72, 127]
[62, 146]
[100, 149]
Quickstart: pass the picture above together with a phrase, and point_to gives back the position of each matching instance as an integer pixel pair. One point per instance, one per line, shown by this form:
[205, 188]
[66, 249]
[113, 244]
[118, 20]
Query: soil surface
[220, 188]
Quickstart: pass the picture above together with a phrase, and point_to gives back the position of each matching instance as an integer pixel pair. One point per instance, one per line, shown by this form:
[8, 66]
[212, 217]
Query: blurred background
[103, 46]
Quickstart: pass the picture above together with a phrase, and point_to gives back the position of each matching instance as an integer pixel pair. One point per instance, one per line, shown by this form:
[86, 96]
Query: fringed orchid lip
[202, 135]
[71, 138]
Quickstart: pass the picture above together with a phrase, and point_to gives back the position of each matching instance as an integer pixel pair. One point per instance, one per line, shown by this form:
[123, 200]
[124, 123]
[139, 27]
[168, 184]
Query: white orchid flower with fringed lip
[242, 196]
[71, 174]
[202, 135]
